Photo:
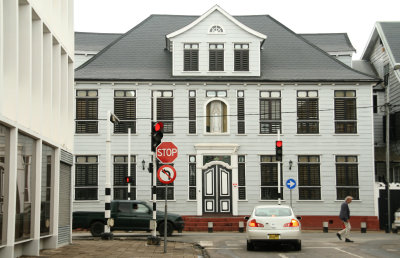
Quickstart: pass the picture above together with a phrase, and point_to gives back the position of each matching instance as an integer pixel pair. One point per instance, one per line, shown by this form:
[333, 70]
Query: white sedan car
[273, 224]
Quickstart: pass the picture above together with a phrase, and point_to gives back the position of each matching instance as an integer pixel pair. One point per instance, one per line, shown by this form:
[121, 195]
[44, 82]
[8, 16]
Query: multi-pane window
[216, 29]
[125, 110]
[191, 57]
[307, 112]
[165, 109]
[375, 103]
[216, 57]
[217, 117]
[241, 55]
[242, 177]
[386, 74]
[269, 178]
[345, 111]
[192, 177]
[86, 111]
[120, 172]
[309, 178]
[346, 177]
[240, 112]
[270, 112]
[86, 178]
[192, 112]
[45, 202]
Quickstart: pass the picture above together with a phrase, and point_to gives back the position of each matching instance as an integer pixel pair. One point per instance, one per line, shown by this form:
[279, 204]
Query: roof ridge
[112, 43]
[320, 50]
[108, 33]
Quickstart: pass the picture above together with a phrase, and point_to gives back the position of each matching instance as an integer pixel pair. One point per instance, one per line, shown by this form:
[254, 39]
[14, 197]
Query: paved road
[314, 244]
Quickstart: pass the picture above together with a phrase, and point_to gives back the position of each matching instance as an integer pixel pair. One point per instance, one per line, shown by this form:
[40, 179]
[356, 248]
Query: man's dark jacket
[344, 212]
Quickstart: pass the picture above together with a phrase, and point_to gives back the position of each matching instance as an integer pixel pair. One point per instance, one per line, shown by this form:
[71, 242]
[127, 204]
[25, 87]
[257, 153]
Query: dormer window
[216, 29]
[216, 57]
[241, 57]
[191, 57]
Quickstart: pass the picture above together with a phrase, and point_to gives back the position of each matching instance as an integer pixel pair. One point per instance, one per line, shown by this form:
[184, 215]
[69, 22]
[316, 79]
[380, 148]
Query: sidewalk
[122, 248]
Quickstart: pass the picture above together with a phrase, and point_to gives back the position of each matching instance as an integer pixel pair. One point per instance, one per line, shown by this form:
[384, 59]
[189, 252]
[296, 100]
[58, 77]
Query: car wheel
[250, 246]
[97, 228]
[170, 229]
[297, 245]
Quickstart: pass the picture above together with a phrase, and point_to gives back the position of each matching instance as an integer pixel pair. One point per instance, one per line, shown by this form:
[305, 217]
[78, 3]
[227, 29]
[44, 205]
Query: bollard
[325, 226]
[363, 227]
[210, 227]
[241, 226]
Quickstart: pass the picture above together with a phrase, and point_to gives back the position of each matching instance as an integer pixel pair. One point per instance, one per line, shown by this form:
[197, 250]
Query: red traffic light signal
[157, 133]
[278, 149]
[129, 179]
[158, 126]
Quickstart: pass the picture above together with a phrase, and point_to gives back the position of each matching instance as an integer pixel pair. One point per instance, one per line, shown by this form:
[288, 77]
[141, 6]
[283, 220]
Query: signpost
[291, 184]
[167, 152]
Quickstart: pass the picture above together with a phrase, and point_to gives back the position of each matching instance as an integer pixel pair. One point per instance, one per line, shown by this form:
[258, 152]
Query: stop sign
[167, 152]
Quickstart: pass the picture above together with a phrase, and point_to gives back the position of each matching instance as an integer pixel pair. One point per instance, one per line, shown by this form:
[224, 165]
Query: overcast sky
[356, 17]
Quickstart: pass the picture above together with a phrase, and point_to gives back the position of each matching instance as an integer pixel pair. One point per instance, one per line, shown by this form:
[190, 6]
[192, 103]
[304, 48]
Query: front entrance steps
[200, 223]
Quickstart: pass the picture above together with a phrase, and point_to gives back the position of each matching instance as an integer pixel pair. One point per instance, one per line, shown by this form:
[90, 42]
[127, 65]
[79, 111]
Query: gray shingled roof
[330, 42]
[92, 41]
[391, 31]
[140, 54]
[365, 67]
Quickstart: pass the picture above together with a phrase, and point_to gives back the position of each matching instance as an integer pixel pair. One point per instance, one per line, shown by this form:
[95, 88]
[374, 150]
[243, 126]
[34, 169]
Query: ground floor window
[25, 171]
[4, 157]
[160, 190]
[242, 177]
[192, 177]
[46, 185]
[347, 177]
[86, 178]
[120, 174]
[309, 178]
[269, 178]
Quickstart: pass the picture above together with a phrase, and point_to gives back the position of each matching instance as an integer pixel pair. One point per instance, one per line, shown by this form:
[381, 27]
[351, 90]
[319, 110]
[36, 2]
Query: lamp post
[107, 235]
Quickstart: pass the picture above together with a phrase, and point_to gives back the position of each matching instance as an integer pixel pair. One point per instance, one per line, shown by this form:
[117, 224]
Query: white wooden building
[225, 86]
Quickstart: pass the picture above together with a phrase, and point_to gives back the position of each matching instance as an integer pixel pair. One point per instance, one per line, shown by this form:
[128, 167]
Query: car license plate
[273, 236]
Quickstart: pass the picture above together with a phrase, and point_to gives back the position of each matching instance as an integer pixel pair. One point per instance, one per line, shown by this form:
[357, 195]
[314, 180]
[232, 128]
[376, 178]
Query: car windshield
[273, 212]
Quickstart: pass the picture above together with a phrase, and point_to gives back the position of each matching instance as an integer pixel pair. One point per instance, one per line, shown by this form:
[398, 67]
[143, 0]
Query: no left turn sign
[166, 174]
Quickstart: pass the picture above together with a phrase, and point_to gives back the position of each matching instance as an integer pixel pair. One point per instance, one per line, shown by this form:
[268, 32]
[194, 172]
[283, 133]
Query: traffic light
[129, 179]
[157, 133]
[278, 148]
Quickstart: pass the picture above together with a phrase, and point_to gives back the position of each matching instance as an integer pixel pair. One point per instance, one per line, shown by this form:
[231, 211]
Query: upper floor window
[307, 112]
[216, 29]
[125, 110]
[386, 74]
[192, 112]
[216, 93]
[191, 57]
[345, 111]
[217, 117]
[165, 109]
[240, 112]
[86, 111]
[270, 112]
[241, 57]
[216, 57]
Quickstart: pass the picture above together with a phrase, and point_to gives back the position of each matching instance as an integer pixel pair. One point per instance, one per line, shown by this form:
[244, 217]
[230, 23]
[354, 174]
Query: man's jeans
[346, 230]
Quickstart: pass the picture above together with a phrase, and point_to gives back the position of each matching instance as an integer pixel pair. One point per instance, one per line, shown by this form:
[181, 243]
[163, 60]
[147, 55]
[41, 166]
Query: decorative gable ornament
[216, 29]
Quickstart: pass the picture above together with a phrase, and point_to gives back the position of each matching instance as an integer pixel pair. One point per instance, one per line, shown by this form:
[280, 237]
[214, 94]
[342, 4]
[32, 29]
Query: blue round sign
[291, 183]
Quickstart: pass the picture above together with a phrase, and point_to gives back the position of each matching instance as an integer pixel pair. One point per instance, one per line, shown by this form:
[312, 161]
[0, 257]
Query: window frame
[225, 117]
[162, 99]
[216, 57]
[242, 182]
[305, 125]
[241, 112]
[87, 186]
[269, 161]
[192, 107]
[241, 55]
[345, 122]
[123, 185]
[346, 164]
[191, 57]
[309, 161]
[89, 125]
[122, 126]
[192, 183]
[271, 101]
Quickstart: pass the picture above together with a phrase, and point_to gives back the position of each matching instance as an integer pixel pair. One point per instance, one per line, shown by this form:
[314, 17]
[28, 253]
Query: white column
[10, 200]
[199, 184]
[1, 57]
[235, 180]
[37, 75]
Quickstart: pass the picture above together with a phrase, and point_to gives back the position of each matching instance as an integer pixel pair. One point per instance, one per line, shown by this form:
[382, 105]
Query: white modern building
[36, 125]
[224, 87]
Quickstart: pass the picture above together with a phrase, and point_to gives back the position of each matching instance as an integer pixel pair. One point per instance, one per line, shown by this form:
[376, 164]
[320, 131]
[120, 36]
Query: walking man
[345, 216]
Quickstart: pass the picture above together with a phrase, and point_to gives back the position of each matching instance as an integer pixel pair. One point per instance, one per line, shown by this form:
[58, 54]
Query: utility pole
[387, 111]
[129, 163]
